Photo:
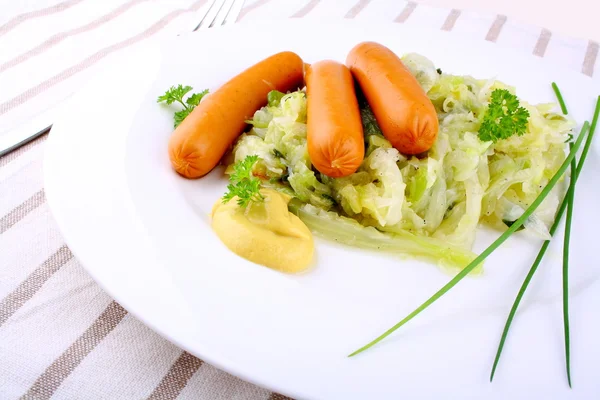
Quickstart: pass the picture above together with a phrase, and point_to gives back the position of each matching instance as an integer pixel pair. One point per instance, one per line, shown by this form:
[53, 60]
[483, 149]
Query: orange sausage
[334, 133]
[200, 141]
[403, 111]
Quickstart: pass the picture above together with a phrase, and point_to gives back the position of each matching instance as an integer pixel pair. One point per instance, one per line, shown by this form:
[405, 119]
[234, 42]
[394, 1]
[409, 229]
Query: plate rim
[52, 198]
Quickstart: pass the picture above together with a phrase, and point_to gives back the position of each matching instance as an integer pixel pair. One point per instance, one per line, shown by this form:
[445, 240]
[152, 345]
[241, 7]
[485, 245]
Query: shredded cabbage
[348, 231]
[426, 207]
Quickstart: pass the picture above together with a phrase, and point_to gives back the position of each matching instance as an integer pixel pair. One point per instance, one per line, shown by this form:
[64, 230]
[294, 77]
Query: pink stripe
[21, 211]
[59, 37]
[33, 283]
[251, 7]
[589, 61]
[406, 12]
[542, 43]
[177, 378]
[306, 9]
[13, 155]
[19, 19]
[451, 20]
[358, 7]
[277, 396]
[46, 384]
[496, 28]
[93, 59]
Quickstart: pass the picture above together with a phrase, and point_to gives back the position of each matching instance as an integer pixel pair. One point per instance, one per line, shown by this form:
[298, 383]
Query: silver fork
[219, 13]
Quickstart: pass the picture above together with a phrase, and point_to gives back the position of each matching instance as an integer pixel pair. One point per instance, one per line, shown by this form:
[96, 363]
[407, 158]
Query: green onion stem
[542, 252]
[566, 245]
[565, 269]
[561, 101]
[487, 251]
[534, 266]
[588, 143]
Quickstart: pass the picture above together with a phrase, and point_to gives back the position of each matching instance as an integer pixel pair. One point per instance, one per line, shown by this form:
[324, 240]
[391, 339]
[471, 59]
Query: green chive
[565, 269]
[567, 239]
[486, 252]
[542, 252]
[588, 143]
[561, 101]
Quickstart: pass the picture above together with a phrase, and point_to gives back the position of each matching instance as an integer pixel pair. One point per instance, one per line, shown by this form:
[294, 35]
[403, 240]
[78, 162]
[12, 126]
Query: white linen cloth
[61, 336]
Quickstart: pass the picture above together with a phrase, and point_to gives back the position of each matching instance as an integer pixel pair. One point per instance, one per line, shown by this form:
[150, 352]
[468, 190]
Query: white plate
[143, 233]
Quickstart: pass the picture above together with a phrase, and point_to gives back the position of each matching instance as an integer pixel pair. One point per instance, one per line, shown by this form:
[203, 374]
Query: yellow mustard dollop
[265, 233]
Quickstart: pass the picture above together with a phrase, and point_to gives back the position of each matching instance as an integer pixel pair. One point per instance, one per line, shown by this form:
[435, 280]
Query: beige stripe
[542, 43]
[4, 160]
[251, 7]
[59, 37]
[178, 376]
[61, 368]
[406, 12]
[589, 61]
[358, 7]
[451, 20]
[93, 59]
[25, 291]
[277, 396]
[19, 19]
[306, 9]
[21, 211]
[496, 28]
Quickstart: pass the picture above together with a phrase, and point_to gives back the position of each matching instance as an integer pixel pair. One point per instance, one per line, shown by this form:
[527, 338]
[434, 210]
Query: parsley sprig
[243, 184]
[176, 94]
[503, 118]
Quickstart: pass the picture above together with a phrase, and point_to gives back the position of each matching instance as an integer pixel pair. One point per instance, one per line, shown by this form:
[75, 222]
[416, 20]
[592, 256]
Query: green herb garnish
[370, 126]
[331, 199]
[560, 99]
[566, 244]
[542, 252]
[175, 95]
[274, 98]
[503, 118]
[565, 269]
[243, 184]
[536, 263]
[480, 258]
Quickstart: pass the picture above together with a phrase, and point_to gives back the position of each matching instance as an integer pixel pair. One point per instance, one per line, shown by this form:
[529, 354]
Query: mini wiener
[334, 132]
[403, 111]
[199, 142]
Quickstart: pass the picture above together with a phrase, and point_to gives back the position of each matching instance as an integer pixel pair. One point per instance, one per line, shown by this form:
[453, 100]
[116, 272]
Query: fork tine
[209, 17]
[234, 12]
[220, 18]
[200, 15]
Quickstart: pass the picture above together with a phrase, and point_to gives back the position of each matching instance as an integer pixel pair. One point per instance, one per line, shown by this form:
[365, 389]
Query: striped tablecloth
[61, 336]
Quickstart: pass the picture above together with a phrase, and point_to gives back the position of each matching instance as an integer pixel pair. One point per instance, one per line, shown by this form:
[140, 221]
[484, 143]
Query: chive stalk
[553, 228]
[544, 193]
[565, 269]
[560, 99]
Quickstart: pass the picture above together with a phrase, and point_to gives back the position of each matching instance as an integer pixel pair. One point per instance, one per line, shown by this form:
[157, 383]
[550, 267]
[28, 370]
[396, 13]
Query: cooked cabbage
[430, 206]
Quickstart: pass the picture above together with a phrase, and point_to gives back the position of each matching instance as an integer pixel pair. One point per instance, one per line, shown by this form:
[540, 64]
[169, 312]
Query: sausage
[199, 142]
[405, 114]
[334, 128]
